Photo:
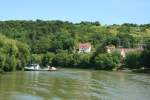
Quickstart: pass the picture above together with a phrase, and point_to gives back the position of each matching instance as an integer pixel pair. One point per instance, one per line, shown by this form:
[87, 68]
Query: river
[74, 84]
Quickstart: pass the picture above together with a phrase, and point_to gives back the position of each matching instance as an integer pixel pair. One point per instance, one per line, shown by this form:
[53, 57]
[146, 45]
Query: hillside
[55, 42]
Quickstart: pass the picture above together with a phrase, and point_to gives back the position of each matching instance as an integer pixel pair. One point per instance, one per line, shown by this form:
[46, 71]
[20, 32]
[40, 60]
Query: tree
[13, 53]
[23, 55]
[132, 60]
[107, 61]
[47, 59]
[145, 57]
[42, 42]
[2, 60]
[36, 58]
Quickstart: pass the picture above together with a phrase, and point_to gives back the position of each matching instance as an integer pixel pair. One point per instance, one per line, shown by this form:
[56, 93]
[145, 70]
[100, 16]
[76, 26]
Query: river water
[74, 84]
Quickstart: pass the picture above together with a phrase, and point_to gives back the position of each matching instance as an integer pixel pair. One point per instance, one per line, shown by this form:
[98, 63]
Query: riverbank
[1, 71]
[145, 70]
[141, 70]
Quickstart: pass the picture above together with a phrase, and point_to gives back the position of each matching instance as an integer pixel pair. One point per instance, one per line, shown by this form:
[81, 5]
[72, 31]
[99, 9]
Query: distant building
[123, 51]
[84, 47]
[110, 48]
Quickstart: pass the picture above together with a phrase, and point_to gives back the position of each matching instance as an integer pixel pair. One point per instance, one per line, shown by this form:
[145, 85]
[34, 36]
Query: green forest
[55, 43]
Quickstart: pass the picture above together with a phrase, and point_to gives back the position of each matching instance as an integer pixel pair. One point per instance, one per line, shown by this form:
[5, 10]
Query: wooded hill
[54, 42]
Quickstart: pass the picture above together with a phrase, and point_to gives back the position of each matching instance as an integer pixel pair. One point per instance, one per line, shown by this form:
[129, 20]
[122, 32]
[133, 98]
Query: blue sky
[104, 11]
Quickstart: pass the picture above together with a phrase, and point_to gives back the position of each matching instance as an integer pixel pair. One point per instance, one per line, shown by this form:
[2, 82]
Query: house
[110, 48]
[123, 51]
[84, 47]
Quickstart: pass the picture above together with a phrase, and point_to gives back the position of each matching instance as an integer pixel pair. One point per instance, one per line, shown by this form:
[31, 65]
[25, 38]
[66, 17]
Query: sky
[104, 11]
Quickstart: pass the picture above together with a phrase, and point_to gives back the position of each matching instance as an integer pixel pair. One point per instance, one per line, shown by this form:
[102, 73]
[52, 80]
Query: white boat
[32, 67]
[36, 67]
[52, 69]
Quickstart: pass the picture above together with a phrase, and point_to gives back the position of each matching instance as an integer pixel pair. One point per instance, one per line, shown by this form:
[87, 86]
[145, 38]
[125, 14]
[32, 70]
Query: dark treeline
[55, 43]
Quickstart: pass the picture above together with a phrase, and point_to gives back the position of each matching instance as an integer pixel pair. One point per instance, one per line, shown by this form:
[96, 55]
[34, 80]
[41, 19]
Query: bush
[60, 59]
[132, 60]
[107, 61]
[47, 59]
[145, 57]
[36, 58]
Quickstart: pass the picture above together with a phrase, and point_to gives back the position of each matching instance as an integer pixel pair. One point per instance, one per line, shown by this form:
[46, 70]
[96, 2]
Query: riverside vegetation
[55, 42]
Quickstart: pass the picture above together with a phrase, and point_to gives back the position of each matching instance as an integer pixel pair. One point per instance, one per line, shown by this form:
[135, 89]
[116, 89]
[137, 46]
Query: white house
[84, 47]
[110, 48]
[123, 51]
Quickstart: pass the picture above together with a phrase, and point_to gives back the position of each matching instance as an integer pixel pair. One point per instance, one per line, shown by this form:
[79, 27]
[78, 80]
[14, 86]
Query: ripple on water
[74, 85]
[13, 95]
[141, 78]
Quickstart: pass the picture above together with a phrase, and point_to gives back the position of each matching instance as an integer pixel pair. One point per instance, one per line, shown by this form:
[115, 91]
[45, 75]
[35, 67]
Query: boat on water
[36, 67]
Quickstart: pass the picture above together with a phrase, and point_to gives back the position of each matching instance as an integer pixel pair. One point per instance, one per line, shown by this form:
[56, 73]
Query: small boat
[32, 67]
[52, 69]
[36, 67]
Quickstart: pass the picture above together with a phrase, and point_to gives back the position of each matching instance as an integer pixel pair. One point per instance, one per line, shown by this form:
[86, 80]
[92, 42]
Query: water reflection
[74, 84]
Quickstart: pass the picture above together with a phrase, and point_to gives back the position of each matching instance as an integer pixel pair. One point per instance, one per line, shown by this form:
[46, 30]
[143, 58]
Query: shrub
[132, 60]
[107, 61]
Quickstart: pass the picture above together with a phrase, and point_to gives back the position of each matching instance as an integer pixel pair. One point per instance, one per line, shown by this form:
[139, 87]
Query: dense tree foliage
[133, 60]
[55, 43]
[108, 61]
[13, 54]
[145, 57]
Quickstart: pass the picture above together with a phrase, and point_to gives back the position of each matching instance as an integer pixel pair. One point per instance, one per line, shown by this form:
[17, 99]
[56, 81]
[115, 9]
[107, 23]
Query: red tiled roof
[84, 45]
[126, 50]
